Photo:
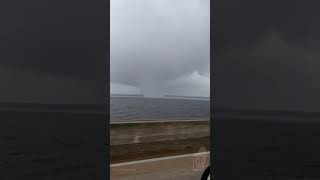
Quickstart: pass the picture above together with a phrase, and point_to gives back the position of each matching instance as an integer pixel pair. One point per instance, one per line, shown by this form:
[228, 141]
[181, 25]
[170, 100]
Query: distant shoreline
[164, 97]
[134, 121]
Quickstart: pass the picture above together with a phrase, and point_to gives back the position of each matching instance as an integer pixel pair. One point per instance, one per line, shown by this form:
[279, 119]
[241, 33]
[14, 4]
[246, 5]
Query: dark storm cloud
[155, 42]
[244, 22]
[266, 54]
[52, 51]
[48, 37]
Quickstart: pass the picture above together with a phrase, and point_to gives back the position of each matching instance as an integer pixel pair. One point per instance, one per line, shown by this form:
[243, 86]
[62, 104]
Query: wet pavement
[181, 167]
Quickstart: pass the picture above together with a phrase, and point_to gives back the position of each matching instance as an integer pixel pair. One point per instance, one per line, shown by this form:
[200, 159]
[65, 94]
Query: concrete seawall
[128, 132]
[138, 140]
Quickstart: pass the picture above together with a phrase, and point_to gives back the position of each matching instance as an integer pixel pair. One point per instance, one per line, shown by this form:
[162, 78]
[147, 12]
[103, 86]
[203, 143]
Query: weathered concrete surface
[138, 140]
[150, 131]
[140, 151]
[185, 167]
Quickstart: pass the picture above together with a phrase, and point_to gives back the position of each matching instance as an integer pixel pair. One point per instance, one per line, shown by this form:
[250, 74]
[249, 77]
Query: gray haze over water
[160, 47]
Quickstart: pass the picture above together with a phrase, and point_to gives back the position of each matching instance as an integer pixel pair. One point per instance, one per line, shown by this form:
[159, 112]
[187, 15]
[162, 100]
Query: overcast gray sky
[266, 54]
[160, 47]
[53, 52]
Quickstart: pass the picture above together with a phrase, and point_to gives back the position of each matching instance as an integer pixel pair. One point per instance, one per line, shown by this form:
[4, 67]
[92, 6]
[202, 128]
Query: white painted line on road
[158, 159]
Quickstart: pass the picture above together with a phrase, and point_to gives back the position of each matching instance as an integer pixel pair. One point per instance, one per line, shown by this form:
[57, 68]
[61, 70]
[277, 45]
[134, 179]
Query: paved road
[182, 167]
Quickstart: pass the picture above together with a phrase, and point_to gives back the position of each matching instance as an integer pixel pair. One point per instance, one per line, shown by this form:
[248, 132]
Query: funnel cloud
[160, 47]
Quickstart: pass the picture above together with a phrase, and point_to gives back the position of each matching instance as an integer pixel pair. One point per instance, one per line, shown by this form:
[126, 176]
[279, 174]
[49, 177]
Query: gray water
[129, 108]
[52, 145]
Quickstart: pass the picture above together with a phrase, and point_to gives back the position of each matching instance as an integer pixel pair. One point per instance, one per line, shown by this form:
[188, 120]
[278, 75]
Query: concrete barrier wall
[150, 131]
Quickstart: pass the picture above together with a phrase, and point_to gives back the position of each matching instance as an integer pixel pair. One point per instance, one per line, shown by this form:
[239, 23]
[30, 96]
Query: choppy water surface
[128, 108]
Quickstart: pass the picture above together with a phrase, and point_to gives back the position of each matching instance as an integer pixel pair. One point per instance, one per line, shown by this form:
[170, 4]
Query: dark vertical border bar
[54, 130]
[212, 154]
[107, 90]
